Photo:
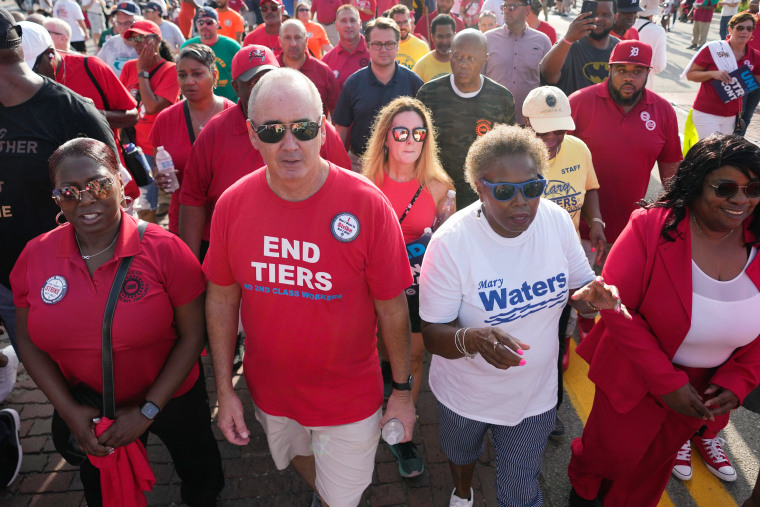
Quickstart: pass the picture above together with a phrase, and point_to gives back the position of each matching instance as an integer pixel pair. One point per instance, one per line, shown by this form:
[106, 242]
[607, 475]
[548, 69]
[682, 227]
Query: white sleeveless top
[724, 316]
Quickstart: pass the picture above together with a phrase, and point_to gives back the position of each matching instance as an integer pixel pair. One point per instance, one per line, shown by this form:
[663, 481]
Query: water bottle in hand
[393, 432]
[446, 209]
[165, 165]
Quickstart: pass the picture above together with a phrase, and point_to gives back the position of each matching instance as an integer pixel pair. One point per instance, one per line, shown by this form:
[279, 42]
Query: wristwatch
[149, 410]
[144, 74]
[406, 386]
[599, 221]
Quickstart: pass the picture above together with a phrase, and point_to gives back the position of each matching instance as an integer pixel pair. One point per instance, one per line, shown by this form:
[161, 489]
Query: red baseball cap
[143, 27]
[278, 2]
[634, 52]
[251, 60]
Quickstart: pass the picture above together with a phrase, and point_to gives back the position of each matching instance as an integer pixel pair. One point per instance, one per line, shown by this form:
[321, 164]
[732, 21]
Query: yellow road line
[580, 390]
[706, 489]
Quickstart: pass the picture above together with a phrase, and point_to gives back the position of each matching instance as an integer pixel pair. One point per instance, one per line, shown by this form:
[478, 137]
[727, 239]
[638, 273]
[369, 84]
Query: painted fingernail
[600, 279]
[519, 351]
[522, 363]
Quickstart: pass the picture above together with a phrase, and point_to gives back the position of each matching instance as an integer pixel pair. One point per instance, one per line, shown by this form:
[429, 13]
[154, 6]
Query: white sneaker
[682, 469]
[716, 460]
[455, 501]
[8, 373]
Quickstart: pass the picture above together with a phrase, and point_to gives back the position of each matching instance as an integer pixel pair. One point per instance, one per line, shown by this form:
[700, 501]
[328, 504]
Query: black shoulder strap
[106, 106]
[645, 24]
[155, 69]
[189, 122]
[109, 401]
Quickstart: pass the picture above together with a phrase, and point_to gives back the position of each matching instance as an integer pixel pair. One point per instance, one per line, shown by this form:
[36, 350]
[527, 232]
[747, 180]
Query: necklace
[696, 222]
[203, 123]
[88, 257]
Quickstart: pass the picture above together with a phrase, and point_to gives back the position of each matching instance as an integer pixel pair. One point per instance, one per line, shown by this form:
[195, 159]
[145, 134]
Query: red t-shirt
[422, 26]
[365, 4]
[422, 212]
[754, 41]
[73, 75]
[309, 273]
[549, 30]
[326, 10]
[708, 100]
[163, 83]
[343, 63]
[65, 320]
[170, 131]
[648, 133]
[323, 78]
[222, 154]
[260, 37]
[630, 34]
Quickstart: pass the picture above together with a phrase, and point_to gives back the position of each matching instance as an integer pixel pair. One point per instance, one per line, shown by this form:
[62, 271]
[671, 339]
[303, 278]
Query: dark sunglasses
[505, 191]
[205, 22]
[730, 188]
[137, 39]
[71, 195]
[742, 28]
[272, 8]
[274, 132]
[302, 10]
[401, 134]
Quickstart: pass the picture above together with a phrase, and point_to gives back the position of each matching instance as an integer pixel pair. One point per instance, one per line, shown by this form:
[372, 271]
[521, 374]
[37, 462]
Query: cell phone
[590, 6]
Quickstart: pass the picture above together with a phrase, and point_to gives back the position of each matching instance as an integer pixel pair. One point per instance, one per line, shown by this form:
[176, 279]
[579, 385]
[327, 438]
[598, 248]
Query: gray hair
[291, 22]
[503, 140]
[282, 79]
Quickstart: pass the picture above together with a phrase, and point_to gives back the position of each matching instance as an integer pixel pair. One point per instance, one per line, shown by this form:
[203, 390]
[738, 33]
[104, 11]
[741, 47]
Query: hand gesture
[146, 58]
[82, 426]
[231, 421]
[581, 26]
[686, 401]
[162, 179]
[497, 347]
[400, 406]
[722, 400]
[601, 296]
[126, 428]
[722, 76]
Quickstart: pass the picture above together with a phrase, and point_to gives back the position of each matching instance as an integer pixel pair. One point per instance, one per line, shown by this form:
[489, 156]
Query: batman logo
[596, 72]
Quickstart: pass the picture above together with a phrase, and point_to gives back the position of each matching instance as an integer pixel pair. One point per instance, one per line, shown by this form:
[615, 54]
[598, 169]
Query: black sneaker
[11, 452]
[559, 430]
[410, 462]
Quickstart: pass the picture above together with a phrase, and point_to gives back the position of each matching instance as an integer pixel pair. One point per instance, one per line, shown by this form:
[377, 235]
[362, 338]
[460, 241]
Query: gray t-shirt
[585, 65]
[172, 35]
[115, 52]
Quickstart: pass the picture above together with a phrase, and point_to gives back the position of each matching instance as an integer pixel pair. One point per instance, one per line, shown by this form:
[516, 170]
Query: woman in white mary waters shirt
[494, 281]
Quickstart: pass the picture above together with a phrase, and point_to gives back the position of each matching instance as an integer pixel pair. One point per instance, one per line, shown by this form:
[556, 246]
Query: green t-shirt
[459, 121]
[104, 36]
[225, 50]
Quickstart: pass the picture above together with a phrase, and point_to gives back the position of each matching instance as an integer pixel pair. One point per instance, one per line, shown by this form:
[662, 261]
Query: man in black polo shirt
[371, 88]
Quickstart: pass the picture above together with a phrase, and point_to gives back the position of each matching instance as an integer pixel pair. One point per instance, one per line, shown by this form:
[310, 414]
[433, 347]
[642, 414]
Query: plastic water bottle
[446, 209]
[393, 432]
[165, 165]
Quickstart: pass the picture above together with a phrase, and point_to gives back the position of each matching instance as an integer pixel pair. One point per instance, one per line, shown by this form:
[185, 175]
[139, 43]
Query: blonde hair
[427, 168]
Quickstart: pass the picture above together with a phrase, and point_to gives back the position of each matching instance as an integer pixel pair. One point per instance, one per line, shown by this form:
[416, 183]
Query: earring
[129, 202]
[58, 218]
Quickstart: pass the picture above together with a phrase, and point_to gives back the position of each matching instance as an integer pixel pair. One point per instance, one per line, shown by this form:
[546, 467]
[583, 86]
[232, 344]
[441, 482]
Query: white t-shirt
[71, 13]
[473, 275]
[728, 11]
[115, 52]
[172, 34]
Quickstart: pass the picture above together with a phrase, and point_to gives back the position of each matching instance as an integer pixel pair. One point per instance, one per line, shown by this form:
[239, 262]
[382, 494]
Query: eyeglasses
[273, 8]
[730, 188]
[137, 39]
[512, 7]
[302, 10]
[274, 132]
[377, 46]
[127, 24]
[205, 22]
[69, 196]
[401, 134]
[505, 191]
[742, 28]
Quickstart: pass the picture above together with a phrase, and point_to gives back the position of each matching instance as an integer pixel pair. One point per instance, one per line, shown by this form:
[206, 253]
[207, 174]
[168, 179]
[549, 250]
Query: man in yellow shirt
[410, 48]
[437, 63]
[231, 23]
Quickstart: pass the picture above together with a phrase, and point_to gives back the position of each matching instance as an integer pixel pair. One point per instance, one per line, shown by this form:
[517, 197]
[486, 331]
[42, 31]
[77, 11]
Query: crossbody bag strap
[106, 106]
[109, 401]
[189, 122]
[401, 219]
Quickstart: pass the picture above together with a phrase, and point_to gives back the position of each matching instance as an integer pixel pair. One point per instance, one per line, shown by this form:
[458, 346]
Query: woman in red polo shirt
[177, 126]
[61, 284]
[709, 113]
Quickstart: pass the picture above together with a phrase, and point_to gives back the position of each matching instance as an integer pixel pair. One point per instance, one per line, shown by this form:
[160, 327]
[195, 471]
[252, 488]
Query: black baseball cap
[10, 31]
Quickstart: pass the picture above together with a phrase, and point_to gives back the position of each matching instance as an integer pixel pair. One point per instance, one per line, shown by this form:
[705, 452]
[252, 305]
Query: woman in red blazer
[671, 264]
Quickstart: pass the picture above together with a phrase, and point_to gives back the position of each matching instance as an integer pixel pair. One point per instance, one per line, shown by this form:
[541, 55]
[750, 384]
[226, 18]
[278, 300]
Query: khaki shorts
[344, 455]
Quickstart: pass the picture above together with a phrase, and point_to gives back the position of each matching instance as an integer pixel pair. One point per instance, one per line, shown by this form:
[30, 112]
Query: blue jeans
[724, 26]
[749, 104]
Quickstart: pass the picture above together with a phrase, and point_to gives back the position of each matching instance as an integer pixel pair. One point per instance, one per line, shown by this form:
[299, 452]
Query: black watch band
[149, 410]
[406, 386]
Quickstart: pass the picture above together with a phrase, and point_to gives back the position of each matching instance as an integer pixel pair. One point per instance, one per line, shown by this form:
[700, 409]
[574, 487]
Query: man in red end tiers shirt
[267, 33]
[350, 54]
[316, 254]
[645, 131]
[293, 39]
[222, 153]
